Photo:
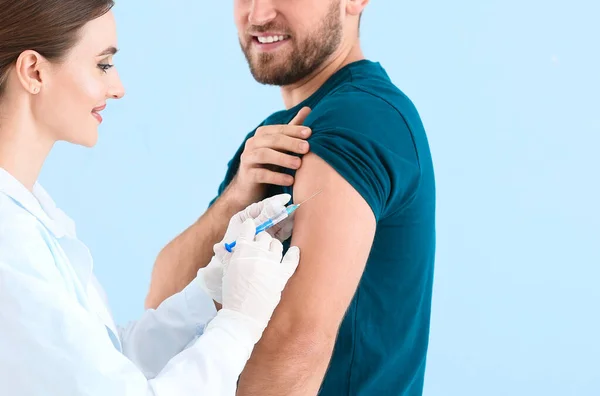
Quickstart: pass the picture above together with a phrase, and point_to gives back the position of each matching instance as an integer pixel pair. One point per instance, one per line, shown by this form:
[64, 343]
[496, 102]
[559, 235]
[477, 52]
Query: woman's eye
[104, 66]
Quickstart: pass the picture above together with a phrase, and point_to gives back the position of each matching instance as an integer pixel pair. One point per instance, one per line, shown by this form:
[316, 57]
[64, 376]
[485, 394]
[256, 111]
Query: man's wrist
[222, 210]
[240, 196]
[232, 198]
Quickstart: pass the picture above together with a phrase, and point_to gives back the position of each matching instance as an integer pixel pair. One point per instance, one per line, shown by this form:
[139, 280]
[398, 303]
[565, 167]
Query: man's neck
[296, 93]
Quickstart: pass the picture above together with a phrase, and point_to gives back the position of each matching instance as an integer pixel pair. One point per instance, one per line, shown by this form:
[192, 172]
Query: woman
[57, 336]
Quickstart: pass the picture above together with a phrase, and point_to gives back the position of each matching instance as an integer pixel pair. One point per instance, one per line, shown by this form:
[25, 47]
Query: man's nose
[261, 12]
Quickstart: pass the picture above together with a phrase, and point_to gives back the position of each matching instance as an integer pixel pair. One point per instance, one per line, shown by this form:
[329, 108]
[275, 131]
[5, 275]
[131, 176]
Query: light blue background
[508, 91]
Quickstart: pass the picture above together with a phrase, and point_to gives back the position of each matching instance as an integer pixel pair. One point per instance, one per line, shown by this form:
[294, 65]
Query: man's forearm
[285, 367]
[178, 263]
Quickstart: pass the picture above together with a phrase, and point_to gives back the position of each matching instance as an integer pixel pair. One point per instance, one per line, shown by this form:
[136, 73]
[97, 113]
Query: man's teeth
[270, 39]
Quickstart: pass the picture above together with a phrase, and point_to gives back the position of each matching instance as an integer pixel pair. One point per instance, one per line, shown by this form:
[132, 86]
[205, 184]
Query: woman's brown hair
[49, 27]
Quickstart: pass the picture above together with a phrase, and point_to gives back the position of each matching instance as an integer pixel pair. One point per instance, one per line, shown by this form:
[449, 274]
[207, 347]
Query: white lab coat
[58, 337]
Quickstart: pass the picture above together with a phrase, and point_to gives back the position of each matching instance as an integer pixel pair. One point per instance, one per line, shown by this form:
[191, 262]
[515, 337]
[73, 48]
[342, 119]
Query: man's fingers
[265, 176]
[297, 131]
[267, 156]
[300, 116]
[281, 143]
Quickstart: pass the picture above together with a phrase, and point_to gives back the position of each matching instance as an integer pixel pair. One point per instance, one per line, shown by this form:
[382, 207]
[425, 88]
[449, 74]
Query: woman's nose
[116, 91]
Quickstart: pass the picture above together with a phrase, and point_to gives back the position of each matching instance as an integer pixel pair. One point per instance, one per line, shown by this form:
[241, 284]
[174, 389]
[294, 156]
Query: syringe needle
[272, 221]
[311, 197]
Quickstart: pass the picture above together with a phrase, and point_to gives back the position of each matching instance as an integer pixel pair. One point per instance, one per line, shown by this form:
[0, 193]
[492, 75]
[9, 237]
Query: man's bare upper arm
[335, 233]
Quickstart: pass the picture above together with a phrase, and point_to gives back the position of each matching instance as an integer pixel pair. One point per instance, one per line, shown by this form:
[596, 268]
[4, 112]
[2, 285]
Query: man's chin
[267, 75]
[266, 79]
[280, 71]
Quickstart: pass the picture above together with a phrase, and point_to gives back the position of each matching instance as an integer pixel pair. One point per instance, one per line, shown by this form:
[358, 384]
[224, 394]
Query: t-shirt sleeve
[232, 168]
[369, 144]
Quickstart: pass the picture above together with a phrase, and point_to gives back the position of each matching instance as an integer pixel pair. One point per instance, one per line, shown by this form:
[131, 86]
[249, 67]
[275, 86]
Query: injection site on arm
[276, 219]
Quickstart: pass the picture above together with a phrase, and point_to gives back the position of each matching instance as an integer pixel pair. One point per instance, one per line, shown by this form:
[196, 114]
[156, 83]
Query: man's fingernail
[305, 132]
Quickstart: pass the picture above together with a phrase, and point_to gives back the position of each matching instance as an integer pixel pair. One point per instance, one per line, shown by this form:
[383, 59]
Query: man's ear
[29, 67]
[355, 7]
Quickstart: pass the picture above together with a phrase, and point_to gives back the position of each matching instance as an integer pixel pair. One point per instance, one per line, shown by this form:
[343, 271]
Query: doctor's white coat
[58, 337]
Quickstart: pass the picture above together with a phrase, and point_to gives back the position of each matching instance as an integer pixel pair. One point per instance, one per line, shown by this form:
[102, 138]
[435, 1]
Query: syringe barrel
[280, 217]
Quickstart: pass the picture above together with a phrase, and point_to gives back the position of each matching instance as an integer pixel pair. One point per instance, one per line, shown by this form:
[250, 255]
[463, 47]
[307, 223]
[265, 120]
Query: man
[354, 319]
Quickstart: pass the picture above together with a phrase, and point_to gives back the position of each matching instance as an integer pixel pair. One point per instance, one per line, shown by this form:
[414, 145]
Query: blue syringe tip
[291, 208]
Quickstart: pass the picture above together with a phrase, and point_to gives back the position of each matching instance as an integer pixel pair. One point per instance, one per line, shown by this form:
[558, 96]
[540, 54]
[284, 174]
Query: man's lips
[269, 40]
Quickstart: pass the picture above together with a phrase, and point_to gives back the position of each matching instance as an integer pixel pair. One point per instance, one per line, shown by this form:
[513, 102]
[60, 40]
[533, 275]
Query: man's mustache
[268, 28]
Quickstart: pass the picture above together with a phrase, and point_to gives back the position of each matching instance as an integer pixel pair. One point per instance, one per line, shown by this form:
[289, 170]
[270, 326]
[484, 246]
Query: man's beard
[305, 57]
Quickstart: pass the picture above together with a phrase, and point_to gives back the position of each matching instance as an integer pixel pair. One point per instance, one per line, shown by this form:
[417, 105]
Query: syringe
[284, 214]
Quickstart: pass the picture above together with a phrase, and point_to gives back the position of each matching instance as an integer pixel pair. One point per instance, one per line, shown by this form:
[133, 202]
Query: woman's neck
[23, 150]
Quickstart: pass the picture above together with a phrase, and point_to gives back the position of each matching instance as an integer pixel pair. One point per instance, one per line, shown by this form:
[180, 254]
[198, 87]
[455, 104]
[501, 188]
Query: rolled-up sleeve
[51, 345]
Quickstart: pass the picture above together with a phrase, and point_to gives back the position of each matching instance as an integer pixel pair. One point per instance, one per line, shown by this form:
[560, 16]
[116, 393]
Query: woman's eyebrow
[108, 51]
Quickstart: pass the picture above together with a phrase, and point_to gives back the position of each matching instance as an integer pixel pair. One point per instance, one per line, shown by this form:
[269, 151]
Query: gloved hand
[211, 276]
[255, 278]
[261, 212]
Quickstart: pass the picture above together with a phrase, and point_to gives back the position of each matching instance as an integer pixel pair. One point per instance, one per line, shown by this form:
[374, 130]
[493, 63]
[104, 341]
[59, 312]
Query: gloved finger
[281, 199]
[273, 230]
[247, 231]
[272, 206]
[284, 229]
[234, 226]
[290, 262]
[276, 247]
[222, 254]
[243, 215]
[210, 279]
[263, 240]
[219, 249]
[250, 212]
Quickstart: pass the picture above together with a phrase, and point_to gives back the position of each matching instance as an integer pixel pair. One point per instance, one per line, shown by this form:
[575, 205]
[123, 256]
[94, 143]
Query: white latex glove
[211, 276]
[255, 278]
[260, 212]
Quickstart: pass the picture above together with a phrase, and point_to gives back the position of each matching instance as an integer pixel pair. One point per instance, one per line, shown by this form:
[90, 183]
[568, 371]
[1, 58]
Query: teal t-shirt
[372, 135]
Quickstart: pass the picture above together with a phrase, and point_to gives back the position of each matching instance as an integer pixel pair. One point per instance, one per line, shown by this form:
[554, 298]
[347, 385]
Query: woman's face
[72, 93]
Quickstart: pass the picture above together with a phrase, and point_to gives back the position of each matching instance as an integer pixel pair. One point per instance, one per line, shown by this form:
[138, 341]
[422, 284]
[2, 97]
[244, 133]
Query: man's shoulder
[362, 115]
[365, 103]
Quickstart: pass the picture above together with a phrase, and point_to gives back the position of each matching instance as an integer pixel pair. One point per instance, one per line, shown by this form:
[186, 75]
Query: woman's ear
[30, 67]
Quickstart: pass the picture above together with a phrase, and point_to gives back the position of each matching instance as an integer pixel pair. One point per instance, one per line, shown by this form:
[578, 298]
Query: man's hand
[271, 148]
